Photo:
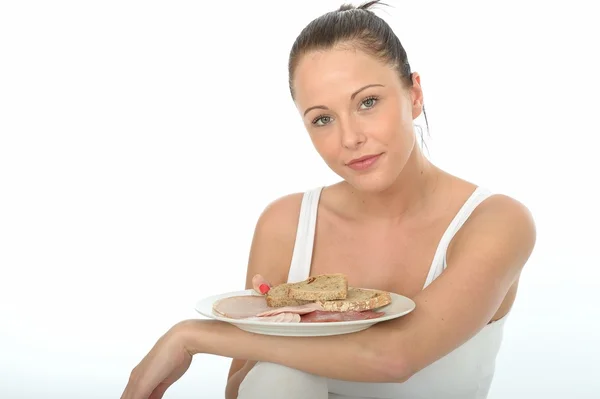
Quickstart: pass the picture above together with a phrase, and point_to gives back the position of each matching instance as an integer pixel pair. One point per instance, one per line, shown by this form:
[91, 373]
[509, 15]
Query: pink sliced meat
[279, 318]
[301, 309]
[255, 307]
[318, 316]
[241, 307]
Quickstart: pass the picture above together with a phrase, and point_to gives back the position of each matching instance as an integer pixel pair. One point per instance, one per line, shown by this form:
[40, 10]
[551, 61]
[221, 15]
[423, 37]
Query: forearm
[354, 357]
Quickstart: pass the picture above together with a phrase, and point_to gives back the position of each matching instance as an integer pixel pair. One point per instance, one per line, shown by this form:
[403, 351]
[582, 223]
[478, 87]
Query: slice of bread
[358, 299]
[278, 297]
[324, 287]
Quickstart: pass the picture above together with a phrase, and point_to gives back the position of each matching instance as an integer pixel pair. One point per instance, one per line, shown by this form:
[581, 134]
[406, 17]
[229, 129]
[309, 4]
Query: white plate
[400, 306]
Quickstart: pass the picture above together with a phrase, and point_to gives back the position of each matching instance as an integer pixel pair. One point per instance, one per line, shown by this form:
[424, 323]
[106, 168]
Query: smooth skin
[380, 227]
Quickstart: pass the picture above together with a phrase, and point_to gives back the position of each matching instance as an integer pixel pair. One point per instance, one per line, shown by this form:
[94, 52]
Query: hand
[166, 362]
[260, 285]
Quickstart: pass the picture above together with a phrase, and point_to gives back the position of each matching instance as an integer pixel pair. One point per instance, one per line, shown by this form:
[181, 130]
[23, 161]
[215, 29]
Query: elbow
[403, 376]
[391, 365]
[396, 370]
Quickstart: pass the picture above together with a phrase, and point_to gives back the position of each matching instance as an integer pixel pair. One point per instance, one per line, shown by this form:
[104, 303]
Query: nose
[352, 136]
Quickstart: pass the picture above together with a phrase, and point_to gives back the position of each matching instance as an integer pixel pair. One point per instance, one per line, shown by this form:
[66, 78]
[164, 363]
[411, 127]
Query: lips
[364, 162]
[362, 159]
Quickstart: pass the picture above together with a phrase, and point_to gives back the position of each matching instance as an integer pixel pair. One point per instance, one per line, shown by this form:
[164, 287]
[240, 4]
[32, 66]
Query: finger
[260, 284]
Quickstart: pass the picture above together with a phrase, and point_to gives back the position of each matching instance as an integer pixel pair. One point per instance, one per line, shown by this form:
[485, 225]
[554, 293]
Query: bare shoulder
[507, 216]
[505, 206]
[281, 215]
[274, 238]
[499, 224]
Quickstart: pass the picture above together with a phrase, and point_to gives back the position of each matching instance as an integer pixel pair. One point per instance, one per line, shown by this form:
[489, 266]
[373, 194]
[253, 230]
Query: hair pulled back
[354, 26]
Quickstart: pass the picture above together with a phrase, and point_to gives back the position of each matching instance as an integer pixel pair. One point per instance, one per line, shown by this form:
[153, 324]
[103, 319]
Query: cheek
[326, 145]
[401, 126]
[389, 131]
[404, 141]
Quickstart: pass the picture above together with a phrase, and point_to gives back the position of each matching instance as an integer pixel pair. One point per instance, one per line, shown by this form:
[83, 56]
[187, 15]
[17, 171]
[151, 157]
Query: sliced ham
[279, 318]
[321, 316]
[254, 307]
[241, 307]
[300, 310]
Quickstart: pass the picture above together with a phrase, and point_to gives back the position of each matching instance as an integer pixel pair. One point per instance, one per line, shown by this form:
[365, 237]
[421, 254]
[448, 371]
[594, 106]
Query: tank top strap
[305, 236]
[439, 259]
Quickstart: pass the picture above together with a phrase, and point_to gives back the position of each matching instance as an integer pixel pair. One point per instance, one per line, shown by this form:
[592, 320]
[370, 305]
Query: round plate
[400, 306]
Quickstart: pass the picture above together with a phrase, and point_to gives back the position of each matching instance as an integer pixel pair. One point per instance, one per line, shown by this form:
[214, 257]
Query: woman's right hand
[260, 284]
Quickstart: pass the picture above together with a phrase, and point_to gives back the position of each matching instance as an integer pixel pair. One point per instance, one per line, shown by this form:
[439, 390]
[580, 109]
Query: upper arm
[273, 240]
[483, 262]
[272, 246]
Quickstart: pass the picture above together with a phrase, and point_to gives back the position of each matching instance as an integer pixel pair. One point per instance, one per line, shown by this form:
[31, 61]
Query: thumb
[260, 284]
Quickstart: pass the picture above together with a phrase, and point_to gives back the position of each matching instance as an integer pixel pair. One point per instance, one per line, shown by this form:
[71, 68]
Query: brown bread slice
[278, 297]
[358, 299]
[324, 287]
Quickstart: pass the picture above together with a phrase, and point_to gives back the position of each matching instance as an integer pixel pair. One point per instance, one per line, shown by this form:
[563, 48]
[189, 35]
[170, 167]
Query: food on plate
[359, 300]
[325, 287]
[279, 318]
[278, 297]
[240, 307]
[299, 309]
[323, 298]
[320, 316]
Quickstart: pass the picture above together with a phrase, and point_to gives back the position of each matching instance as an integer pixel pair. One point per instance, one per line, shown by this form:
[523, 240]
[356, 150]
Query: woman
[395, 222]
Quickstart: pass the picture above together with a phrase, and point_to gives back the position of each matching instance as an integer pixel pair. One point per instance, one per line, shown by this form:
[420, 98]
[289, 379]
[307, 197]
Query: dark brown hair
[353, 26]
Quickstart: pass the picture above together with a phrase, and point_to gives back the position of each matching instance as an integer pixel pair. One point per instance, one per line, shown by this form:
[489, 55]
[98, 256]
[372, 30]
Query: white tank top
[465, 373]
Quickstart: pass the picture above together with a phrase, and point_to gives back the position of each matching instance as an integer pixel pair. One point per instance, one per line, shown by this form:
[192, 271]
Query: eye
[323, 119]
[369, 102]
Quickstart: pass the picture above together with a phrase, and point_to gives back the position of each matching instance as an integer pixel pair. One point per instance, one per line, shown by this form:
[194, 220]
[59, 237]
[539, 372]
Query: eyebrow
[351, 97]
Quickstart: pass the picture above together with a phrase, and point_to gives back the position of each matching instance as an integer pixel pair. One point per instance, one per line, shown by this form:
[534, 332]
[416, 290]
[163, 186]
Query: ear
[416, 94]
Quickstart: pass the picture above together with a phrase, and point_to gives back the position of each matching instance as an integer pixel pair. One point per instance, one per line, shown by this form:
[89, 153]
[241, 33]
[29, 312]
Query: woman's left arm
[484, 261]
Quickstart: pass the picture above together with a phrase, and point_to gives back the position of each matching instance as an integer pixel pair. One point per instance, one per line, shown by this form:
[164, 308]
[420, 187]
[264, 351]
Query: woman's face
[354, 106]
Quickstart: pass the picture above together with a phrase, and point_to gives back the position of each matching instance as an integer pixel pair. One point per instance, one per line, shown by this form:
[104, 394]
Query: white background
[139, 142]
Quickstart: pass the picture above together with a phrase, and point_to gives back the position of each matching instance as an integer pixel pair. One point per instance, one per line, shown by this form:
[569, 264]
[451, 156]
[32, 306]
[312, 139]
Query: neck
[406, 195]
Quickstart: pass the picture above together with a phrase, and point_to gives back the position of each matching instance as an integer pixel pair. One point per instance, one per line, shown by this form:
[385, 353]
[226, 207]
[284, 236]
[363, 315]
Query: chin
[369, 182]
